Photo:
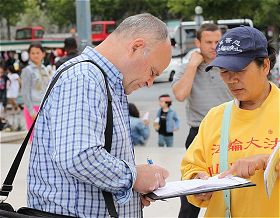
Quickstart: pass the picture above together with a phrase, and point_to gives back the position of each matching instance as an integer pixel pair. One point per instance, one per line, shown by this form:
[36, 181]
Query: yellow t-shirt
[251, 132]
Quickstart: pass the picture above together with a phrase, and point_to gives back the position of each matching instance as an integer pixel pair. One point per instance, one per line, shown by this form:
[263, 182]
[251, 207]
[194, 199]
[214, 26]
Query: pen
[149, 161]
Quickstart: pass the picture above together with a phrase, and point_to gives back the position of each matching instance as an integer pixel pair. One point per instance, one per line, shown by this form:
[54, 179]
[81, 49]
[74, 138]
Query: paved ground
[170, 158]
[147, 100]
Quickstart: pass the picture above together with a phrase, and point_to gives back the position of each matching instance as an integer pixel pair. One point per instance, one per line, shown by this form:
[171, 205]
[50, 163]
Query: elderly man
[69, 167]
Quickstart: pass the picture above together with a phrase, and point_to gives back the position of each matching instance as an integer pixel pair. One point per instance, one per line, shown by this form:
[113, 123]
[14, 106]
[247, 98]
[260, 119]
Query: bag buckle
[6, 188]
[4, 191]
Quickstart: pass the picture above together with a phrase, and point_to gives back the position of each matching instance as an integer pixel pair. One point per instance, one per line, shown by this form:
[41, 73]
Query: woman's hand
[247, 167]
[145, 201]
[203, 196]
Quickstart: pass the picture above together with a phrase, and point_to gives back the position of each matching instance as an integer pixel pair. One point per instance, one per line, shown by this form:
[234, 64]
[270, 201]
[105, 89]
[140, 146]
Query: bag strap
[224, 151]
[7, 186]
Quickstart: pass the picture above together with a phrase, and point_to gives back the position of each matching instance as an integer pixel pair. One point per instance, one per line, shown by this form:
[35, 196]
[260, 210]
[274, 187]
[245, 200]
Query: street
[146, 99]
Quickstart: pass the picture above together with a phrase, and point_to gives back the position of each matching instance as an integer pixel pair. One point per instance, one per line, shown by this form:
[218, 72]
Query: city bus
[101, 29]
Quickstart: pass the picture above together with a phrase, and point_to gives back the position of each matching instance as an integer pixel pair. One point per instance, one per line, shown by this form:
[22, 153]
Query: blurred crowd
[24, 76]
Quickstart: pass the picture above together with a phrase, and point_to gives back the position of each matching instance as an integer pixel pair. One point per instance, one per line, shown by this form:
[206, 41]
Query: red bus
[101, 29]
[34, 32]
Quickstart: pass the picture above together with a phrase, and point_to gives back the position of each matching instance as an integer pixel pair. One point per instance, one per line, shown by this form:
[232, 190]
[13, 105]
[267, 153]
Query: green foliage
[262, 12]
[63, 13]
[268, 13]
[60, 12]
[33, 15]
[119, 9]
[214, 9]
[11, 10]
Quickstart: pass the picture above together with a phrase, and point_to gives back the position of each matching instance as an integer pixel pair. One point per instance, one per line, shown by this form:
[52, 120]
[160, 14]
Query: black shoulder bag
[6, 210]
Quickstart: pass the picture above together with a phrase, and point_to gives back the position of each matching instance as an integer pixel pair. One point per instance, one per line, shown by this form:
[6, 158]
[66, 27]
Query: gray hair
[143, 25]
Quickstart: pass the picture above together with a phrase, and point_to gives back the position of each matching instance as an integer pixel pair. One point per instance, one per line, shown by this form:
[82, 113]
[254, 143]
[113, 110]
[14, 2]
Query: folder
[270, 174]
[198, 186]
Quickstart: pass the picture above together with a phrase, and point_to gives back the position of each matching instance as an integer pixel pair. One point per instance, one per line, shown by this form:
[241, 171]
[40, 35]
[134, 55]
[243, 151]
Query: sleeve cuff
[123, 197]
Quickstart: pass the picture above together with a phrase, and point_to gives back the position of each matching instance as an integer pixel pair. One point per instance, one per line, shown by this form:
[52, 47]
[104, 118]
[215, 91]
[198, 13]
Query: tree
[120, 9]
[60, 12]
[213, 9]
[33, 15]
[11, 11]
[269, 16]
[264, 13]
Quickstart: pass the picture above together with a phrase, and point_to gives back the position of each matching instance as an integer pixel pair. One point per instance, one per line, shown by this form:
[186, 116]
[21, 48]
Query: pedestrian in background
[166, 122]
[13, 86]
[4, 79]
[140, 130]
[202, 90]
[71, 50]
[69, 166]
[244, 59]
[35, 79]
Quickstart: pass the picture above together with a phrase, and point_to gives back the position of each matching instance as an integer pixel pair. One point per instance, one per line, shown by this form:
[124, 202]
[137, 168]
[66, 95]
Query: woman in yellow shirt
[245, 60]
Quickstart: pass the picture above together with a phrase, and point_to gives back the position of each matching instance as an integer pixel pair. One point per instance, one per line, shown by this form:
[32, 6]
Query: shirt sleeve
[194, 161]
[26, 90]
[179, 74]
[78, 119]
[176, 120]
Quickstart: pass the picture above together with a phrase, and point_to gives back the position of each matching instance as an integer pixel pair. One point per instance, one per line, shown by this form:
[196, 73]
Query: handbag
[6, 210]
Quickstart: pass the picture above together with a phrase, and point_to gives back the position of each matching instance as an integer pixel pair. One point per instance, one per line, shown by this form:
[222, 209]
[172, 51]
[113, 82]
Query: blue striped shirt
[68, 164]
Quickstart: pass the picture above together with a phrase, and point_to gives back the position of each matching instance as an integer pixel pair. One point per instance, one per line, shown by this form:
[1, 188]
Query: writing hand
[149, 178]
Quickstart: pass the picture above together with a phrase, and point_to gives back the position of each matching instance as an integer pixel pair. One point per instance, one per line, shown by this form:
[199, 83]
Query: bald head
[140, 49]
[142, 25]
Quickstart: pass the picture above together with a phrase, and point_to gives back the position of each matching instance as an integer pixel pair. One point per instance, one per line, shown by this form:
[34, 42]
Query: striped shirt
[69, 167]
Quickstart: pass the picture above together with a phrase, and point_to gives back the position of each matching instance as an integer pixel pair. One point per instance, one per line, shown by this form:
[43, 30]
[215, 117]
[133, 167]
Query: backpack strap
[7, 186]
[224, 151]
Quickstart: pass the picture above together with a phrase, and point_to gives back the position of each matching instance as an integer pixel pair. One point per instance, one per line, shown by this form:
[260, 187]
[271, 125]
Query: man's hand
[247, 167]
[196, 59]
[182, 88]
[203, 196]
[149, 178]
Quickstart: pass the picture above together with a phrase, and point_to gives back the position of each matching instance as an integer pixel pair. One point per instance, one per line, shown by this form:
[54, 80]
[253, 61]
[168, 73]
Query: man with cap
[202, 90]
[244, 59]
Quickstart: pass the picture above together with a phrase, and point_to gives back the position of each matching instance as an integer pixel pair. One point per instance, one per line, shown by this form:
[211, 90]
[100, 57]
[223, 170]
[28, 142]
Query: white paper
[270, 174]
[175, 188]
[146, 116]
[157, 120]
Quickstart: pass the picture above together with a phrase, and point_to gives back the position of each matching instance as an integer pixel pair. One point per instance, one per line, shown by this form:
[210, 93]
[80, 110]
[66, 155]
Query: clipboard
[153, 196]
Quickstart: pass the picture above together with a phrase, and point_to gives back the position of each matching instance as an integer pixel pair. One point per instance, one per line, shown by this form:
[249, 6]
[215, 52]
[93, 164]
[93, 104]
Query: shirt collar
[34, 65]
[114, 75]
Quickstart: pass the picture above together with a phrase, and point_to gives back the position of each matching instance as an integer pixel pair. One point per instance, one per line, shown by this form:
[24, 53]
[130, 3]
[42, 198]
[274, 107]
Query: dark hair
[206, 27]
[3, 65]
[271, 55]
[133, 111]
[167, 102]
[70, 44]
[12, 69]
[35, 45]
